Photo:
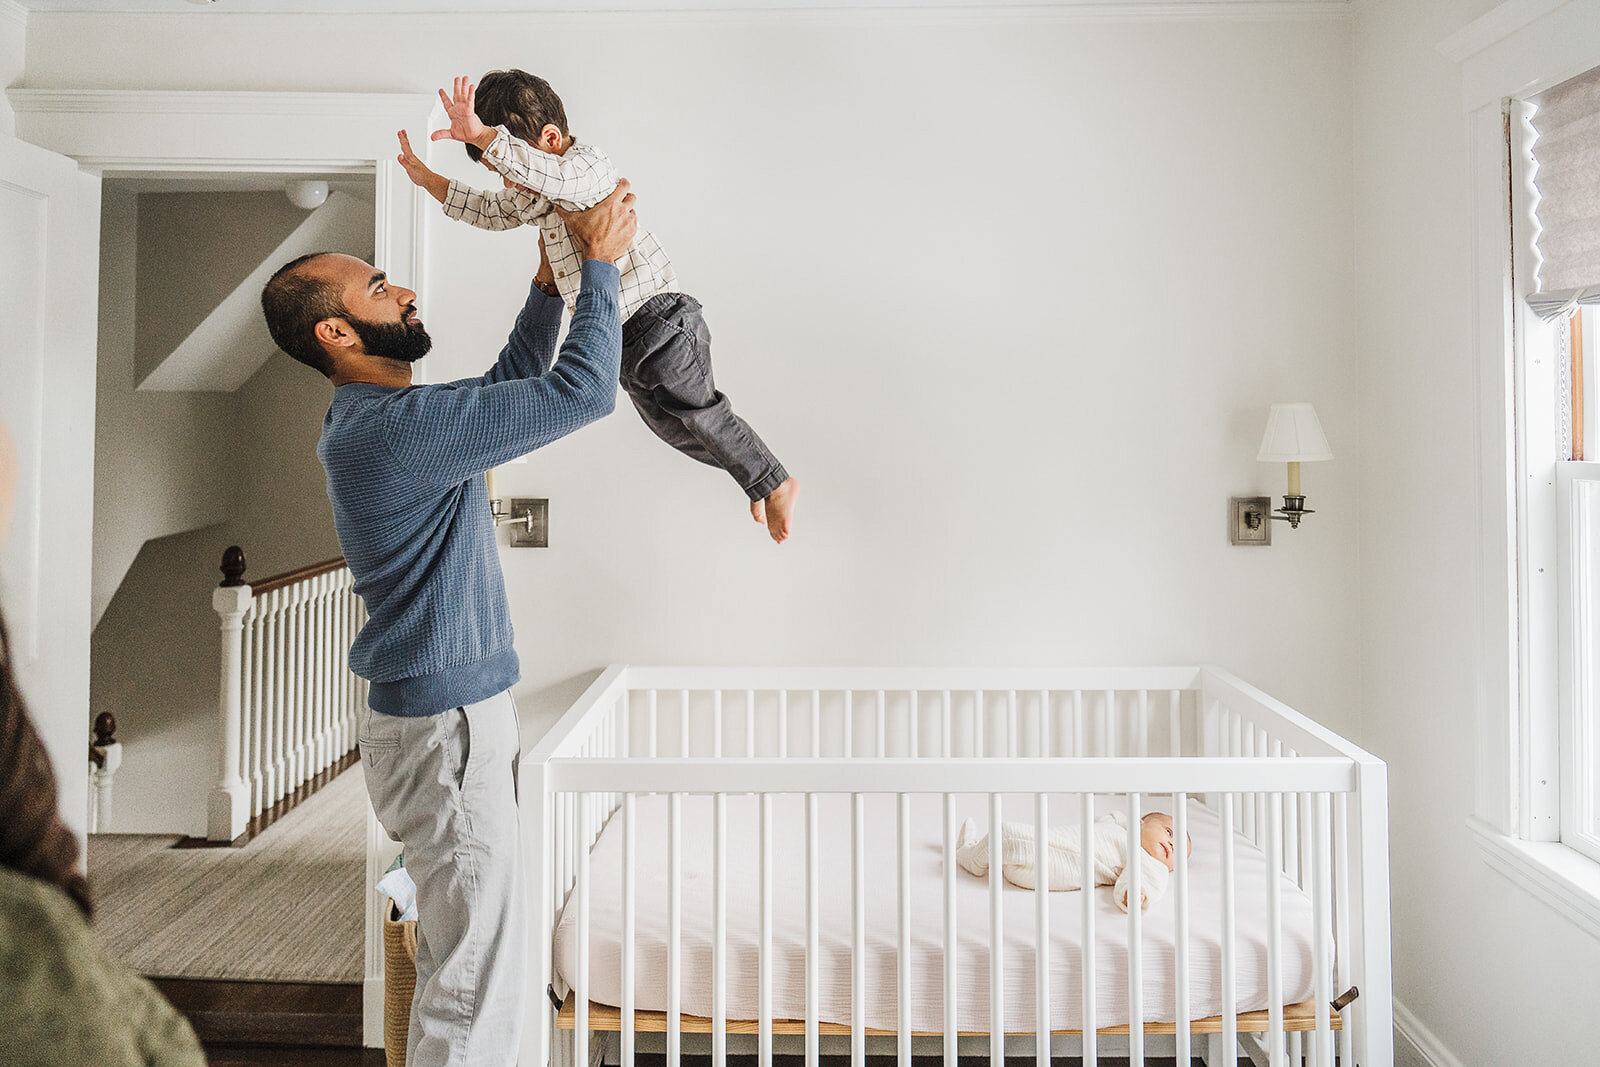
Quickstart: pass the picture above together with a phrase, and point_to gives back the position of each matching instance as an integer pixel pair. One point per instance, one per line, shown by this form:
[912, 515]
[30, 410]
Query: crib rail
[1311, 802]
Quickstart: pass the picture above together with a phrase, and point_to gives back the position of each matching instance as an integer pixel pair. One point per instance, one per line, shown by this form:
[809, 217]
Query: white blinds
[1567, 150]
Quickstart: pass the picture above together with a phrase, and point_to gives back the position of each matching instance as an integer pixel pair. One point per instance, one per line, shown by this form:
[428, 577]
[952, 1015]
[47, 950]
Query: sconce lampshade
[1293, 436]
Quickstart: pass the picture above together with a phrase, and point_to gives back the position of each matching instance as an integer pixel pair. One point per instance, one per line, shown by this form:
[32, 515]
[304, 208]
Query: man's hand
[464, 123]
[605, 230]
[438, 185]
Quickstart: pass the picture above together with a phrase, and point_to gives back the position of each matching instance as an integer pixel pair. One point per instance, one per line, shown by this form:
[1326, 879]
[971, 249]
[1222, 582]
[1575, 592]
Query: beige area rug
[287, 907]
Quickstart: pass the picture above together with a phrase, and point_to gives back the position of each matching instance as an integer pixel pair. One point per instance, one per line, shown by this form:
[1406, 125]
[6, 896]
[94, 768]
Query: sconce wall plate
[1250, 520]
[534, 533]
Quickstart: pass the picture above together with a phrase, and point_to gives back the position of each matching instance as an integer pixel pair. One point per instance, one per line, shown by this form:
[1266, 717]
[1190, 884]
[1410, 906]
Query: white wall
[161, 465]
[1491, 972]
[13, 41]
[1009, 297]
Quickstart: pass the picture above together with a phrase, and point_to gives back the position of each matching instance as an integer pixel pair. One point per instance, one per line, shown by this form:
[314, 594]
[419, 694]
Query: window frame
[1510, 54]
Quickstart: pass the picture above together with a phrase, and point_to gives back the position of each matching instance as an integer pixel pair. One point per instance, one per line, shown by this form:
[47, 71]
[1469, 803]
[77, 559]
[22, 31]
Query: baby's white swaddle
[1017, 864]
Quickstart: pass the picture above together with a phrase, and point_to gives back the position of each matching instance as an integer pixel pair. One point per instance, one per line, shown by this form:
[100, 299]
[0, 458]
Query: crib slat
[1175, 721]
[683, 723]
[1012, 737]
[783, 724]
[1091, 1054]
[903, 955]
[654, 727]
[1230, 1000]
[880, 716]
[816, 723]
[1275, 929]
[978, 724]
[997, 937]
[628, 927]
[1342, 931]
[858, 930]
[945, 723]
[719, 931]
[749, 724]
[1142, 741]
[580, 987]
[1041, 923]
[1180, 875]
[1108, 736]
[949, 911]
[812, 958]
[674, 922]
[849, 724]
[916, 725]
[764, 978]
[1135, 935]
[1080, 725]
[1321, 892]
[1044, 724]
[716, 725]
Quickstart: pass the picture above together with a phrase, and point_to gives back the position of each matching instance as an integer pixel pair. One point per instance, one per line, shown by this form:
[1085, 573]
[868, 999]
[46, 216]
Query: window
[1556, 246]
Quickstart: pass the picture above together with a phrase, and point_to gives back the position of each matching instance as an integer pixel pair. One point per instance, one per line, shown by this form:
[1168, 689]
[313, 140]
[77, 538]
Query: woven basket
[399, 982]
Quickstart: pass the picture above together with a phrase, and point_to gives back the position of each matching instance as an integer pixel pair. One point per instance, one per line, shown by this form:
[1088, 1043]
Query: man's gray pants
[445, 787]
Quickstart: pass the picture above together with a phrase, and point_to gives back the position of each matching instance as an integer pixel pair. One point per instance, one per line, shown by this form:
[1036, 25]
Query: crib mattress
[927, 919]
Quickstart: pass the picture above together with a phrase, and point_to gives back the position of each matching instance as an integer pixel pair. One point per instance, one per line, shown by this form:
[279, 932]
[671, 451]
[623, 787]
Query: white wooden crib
[665, 783]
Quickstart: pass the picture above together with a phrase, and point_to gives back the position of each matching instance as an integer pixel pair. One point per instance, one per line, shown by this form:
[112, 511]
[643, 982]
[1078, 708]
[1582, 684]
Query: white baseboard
[372, 1012]
[1410, 1036]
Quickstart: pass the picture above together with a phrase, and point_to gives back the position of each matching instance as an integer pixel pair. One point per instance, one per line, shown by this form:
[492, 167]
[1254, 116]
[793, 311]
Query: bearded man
[439, 741]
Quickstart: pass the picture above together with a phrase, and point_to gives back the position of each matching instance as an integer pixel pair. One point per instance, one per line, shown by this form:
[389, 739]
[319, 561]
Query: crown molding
[1494, 27]
[180, 102]
[897, 12]
[13, 12]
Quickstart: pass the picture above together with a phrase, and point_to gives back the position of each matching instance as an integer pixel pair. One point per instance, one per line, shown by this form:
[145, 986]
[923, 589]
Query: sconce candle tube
[488, 481]
[1294, 478]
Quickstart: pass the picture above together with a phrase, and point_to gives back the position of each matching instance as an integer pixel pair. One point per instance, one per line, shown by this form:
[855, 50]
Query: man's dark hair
[294, 302]
[521, 102]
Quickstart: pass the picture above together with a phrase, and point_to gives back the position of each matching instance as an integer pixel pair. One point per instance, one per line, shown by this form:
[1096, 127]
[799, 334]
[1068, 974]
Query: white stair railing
[288, 699]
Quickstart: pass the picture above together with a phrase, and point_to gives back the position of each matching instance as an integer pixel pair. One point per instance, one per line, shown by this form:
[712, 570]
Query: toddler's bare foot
[758, 511]
[778, 510]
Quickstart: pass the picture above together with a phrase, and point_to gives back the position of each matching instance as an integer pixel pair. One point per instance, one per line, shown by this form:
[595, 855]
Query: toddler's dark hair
[521, 102]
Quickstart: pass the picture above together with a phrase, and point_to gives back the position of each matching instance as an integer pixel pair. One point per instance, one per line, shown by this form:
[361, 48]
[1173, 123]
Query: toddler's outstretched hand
[419, 173]
[464, 123]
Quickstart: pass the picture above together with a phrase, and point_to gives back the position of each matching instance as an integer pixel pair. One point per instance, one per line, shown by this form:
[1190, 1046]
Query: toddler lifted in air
[1110, 831]
[516, 125]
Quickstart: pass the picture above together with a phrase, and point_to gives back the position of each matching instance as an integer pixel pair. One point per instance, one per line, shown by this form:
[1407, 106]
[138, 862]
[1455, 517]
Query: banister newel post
[229, 809]
[105, 752]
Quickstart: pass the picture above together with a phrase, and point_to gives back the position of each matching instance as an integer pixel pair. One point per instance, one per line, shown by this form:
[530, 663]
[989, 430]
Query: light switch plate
[1250, 520]
[521, 537]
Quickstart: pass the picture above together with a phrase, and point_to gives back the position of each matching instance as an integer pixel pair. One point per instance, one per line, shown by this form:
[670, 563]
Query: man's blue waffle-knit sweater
[405, 475]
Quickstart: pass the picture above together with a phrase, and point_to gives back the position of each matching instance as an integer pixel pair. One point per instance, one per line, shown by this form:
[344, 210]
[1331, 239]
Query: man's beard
[402, 341]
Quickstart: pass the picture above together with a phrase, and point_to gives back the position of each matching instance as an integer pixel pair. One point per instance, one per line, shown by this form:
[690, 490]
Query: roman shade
[1567, 151]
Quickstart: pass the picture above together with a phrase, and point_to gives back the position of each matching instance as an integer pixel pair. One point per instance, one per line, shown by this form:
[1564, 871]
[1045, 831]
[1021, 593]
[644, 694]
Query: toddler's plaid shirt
[575, 181]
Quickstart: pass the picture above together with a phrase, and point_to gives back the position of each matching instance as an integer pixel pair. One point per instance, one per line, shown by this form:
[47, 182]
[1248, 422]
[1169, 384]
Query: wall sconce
[1294, 436]
[528, 517]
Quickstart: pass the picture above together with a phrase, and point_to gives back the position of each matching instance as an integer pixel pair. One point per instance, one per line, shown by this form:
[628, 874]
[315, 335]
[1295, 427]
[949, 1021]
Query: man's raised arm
[450, 432]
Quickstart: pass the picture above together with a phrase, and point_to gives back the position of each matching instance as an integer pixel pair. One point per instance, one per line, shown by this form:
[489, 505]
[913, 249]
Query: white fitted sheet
[927, 895]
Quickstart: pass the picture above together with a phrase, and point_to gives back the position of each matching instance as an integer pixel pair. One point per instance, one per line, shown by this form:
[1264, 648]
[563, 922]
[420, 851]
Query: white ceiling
[568, 6]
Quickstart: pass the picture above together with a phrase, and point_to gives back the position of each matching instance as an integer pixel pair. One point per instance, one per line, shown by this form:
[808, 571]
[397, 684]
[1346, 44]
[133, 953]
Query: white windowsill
[1560, 876]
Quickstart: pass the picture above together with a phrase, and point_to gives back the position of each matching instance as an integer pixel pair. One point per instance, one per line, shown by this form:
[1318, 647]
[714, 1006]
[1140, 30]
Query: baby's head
[525, 105]
[1155, 834]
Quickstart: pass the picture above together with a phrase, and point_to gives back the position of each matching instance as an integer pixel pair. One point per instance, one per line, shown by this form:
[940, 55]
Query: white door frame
[161, 133]
[47, 376]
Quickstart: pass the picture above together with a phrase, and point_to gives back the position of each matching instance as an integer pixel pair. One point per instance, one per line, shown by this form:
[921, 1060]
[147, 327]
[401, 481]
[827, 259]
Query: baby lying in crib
[1110, 855]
